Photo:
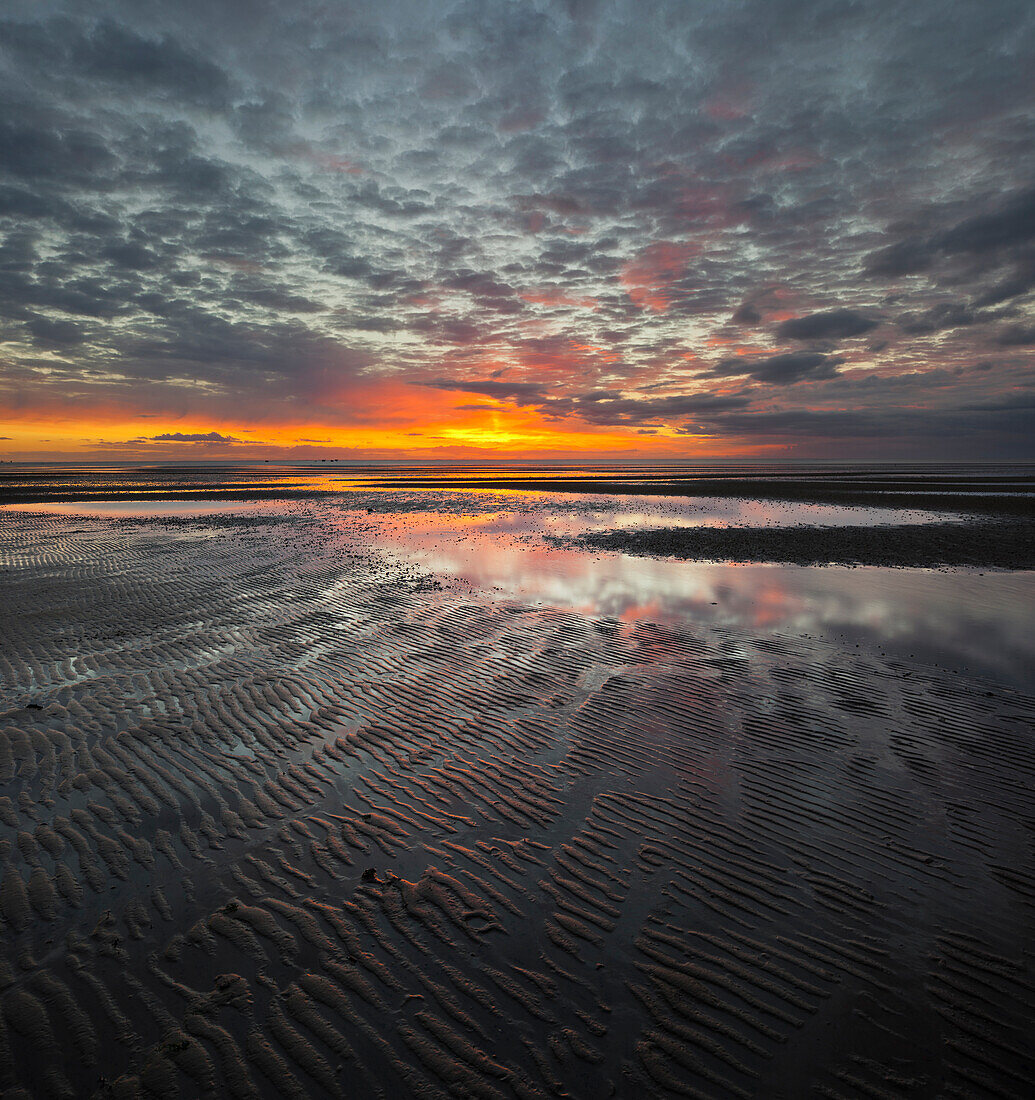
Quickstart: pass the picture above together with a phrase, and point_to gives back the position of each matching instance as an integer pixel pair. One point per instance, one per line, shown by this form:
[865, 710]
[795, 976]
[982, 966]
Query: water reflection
[965, 621]
[508, 510]
[496, 543]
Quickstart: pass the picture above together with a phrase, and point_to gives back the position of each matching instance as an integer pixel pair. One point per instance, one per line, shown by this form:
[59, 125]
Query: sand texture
[281, 818]
[976, 543]
[997, 491]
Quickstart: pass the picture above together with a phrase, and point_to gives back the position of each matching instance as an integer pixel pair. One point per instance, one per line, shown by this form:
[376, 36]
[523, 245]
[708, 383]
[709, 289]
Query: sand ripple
[279, 819]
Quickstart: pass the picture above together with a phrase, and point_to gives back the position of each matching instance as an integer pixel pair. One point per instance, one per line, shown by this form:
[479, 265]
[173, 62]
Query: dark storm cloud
[906, 257]
[51, 333]
[1009, 226]
[1002, 418]
[76, 297]
[600, 407]
[31, 151]
[945, 315]
[192, 437]
[835, 324]
[110, 52]
[115, 53]
[613, 411]
[521, 393]
[567, 202]
[1000, 239]
[782, 370]
[1016, 335]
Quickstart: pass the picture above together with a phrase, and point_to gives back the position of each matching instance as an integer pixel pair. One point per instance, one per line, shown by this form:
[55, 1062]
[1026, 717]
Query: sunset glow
[515, 231]
[517, 548]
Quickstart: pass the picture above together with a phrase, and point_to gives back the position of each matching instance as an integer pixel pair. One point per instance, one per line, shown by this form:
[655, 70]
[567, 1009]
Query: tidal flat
[417, 783]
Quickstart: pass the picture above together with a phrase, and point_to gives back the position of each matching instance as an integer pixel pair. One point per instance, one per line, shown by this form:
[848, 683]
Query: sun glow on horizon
[504, 432]
[378, 420]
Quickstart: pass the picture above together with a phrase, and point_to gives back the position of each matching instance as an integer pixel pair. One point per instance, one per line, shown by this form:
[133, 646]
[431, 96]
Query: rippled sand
[281, 817]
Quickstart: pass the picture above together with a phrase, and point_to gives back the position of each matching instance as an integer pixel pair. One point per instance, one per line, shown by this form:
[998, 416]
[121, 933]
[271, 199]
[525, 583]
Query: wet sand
[976, 543]
[281, 815]
[998, 491]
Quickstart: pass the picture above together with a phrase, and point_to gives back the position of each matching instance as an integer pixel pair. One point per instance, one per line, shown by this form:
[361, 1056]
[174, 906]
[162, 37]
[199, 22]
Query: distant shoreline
[907, 493]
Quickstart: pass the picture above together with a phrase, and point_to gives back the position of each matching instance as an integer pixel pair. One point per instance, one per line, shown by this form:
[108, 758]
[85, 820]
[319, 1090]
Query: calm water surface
[496, 543]
[978, 622]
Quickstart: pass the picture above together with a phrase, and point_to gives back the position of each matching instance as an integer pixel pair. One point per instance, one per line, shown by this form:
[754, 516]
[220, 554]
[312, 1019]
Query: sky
[517, 229]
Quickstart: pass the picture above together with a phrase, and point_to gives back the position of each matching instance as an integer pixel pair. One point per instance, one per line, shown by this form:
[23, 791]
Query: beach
[405, 786]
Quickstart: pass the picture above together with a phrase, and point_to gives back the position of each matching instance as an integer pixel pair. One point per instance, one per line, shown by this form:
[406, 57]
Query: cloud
[193, 437]
[996, 241]
[611, 410]
[113, 52]
[835, 324]
[995, 426]
[1011, 224]
[31, 151]
[1016, 336]
[944, 315]
[53, 333]
[650, 279]
[521, 393]
[782, 370]
[906, 257]
[555, 206]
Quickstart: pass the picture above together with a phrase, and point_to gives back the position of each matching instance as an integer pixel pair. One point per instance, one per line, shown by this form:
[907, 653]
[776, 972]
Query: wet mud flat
[281, 817]
[978, 542]
[996, 491]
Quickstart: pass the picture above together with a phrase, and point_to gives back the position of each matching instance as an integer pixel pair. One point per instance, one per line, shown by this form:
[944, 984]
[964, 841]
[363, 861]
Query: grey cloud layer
[246, 207]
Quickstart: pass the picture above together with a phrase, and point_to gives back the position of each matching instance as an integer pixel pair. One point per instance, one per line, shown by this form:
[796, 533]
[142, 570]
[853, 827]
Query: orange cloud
[649, 278]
